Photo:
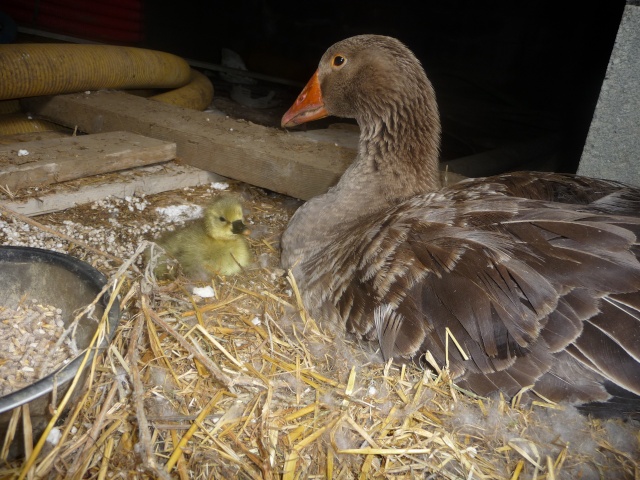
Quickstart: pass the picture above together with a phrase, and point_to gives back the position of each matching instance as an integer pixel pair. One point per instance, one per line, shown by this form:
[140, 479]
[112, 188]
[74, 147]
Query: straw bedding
[245, 385]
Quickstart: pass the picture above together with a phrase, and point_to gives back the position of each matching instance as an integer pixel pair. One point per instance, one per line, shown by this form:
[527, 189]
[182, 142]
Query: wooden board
[135, 181]
[267, 157]
[59, 159]
[301, 164]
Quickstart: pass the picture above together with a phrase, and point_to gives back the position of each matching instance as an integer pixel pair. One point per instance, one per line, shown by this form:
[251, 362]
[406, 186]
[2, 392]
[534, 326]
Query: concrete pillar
[612, 149]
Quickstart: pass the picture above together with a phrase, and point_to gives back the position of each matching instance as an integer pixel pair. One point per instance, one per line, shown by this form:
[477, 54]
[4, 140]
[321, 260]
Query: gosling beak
[308, 106]
[238, 227]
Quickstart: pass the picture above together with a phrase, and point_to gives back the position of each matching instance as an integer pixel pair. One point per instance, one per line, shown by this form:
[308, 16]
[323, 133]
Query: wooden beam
[262, 156]
[136, 181]
[53, 160]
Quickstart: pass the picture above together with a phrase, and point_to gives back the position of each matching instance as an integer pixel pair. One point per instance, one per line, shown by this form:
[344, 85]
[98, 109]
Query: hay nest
[245, 385]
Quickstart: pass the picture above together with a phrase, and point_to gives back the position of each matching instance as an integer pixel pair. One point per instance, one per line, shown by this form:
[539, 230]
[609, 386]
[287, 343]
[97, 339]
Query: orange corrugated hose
[33, 69]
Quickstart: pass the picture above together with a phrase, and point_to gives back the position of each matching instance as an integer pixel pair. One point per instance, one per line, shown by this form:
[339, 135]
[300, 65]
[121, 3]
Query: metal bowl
[69, 284]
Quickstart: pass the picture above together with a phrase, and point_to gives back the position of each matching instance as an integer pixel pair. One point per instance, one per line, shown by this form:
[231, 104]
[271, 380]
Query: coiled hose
[32, 69]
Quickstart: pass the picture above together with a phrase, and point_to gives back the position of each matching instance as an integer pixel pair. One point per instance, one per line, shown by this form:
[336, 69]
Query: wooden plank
[59, 159]
[135, 181]
[262, 156]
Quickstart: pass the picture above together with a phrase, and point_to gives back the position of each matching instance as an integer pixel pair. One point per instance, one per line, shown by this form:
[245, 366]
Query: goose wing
[533, 292]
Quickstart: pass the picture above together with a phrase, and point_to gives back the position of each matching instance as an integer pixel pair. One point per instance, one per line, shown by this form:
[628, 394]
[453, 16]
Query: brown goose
[536, 275]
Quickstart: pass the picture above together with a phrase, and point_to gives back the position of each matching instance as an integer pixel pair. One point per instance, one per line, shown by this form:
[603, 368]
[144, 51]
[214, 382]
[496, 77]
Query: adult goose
[535, 275]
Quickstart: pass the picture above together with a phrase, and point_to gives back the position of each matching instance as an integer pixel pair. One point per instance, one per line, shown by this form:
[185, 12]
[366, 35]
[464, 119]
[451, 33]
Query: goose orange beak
[308, 106]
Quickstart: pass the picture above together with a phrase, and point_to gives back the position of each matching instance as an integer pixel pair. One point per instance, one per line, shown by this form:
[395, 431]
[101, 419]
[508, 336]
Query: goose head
[224, 220]
[363, 77]
[380, 83]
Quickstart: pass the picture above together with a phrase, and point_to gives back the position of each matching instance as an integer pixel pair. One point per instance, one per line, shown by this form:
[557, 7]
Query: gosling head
[223, 219]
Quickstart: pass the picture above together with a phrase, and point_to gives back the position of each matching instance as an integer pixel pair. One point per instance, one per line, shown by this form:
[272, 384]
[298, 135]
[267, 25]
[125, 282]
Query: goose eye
[222, 219]
[339, 61]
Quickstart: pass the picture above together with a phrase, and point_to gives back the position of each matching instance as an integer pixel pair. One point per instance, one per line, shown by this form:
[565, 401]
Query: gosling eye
[339, 61]
[222, 219]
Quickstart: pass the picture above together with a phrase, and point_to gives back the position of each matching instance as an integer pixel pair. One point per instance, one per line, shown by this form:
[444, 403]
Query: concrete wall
[612, 149]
